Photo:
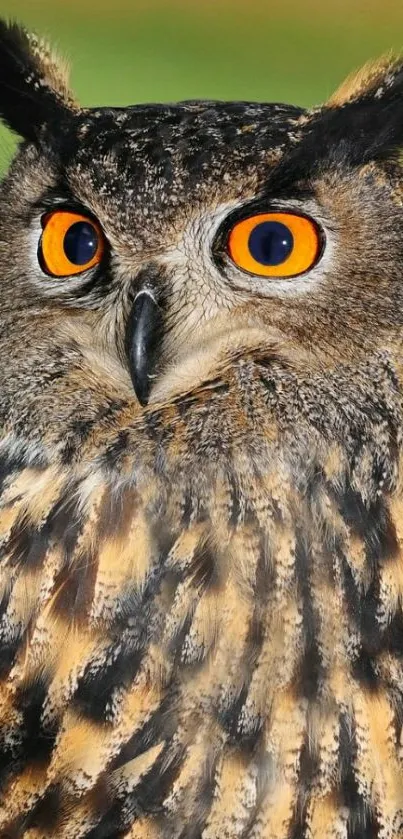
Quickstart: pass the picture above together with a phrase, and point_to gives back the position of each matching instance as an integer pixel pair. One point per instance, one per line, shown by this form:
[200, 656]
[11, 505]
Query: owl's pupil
[80, 242]
[270, 243]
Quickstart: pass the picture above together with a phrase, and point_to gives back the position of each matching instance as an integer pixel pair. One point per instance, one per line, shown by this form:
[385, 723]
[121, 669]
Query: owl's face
[143, 249]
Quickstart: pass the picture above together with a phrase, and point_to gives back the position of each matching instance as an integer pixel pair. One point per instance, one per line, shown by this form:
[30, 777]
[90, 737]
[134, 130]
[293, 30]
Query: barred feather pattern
[201, 625]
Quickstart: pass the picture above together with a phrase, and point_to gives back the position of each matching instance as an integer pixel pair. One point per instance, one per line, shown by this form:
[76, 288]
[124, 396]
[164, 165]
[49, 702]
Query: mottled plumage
[201, 625]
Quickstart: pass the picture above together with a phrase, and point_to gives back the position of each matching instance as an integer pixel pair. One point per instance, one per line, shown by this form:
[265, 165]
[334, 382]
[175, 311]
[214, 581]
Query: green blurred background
[126, 51]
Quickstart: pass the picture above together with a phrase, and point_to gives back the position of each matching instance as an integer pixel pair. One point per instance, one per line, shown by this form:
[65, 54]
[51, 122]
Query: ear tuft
[34, 90]
[368, 110]
[373, 79]
[53, 69]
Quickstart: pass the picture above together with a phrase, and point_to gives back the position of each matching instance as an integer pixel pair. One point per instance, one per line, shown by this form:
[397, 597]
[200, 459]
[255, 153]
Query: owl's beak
[143, 335]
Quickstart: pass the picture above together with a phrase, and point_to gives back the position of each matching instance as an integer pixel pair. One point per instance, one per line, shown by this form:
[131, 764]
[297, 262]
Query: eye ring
[70, 244]
[276, 244]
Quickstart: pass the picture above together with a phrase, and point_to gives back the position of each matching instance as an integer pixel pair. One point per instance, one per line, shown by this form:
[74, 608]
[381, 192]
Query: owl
[201, 508]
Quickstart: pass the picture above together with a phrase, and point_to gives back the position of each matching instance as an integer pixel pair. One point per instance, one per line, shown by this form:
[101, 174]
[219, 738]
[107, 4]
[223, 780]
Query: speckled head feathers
[201, 495]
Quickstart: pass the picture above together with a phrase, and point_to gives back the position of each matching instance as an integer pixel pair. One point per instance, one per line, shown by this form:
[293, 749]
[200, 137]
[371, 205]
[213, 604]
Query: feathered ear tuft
[373, 79]
[368, 110]
[33, 84]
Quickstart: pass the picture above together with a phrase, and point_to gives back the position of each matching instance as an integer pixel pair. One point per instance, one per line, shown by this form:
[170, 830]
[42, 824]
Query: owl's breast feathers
[201, 617]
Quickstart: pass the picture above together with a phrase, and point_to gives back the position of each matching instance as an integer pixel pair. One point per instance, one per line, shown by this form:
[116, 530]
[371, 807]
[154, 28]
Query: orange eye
[275, 244]
[70, 244]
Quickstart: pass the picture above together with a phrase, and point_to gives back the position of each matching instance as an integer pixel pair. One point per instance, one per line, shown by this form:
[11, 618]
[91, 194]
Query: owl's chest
[227, 668]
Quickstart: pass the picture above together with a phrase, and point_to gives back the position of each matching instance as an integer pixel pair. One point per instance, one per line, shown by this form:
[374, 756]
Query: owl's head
[144, 249]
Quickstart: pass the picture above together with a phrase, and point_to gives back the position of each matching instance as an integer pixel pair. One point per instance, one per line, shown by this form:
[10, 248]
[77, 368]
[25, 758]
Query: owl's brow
[278, 188]
[61, 195]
